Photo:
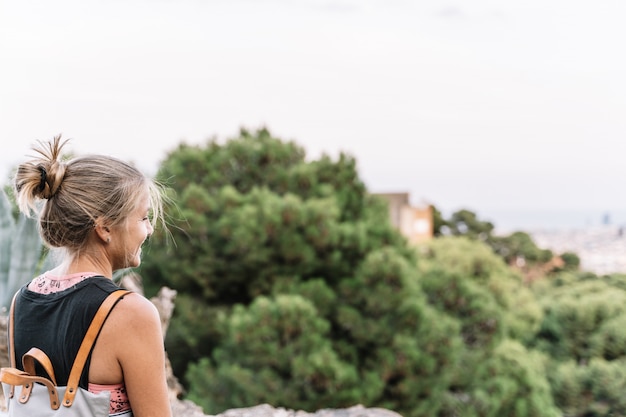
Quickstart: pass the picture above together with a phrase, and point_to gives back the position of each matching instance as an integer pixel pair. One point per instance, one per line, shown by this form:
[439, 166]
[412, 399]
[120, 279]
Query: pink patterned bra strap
[119, 398]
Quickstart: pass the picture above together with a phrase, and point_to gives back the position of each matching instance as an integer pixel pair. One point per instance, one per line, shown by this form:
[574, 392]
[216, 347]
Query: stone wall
[265, 410]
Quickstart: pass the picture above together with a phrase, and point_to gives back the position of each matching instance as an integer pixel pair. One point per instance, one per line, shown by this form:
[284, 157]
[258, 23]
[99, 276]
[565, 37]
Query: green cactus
[21, 250]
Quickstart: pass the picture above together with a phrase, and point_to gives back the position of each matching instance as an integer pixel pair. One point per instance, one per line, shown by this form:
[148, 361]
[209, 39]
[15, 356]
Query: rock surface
[266, 410]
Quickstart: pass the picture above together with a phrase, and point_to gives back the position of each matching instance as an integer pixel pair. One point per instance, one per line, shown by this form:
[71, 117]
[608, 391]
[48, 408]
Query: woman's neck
[83, 264]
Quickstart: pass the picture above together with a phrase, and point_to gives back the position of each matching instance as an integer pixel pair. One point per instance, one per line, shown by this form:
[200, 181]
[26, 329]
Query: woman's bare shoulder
[135, 310]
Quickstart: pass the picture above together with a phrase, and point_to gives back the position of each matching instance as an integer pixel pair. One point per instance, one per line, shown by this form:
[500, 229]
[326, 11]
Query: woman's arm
[135, 338]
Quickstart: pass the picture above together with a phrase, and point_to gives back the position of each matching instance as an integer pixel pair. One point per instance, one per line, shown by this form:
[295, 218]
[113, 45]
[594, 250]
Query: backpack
[41, 396]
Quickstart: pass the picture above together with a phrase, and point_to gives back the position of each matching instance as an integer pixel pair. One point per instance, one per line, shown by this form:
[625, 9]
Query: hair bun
[50, 178]
[41, 177]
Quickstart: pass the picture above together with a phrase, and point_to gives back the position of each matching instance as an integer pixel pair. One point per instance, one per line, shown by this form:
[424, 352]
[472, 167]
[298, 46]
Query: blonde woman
[99, 211]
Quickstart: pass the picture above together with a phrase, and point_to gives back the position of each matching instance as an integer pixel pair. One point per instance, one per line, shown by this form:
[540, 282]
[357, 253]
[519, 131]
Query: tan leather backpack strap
[85, 348]
[36, 354]
[15, 377]
[12, 358]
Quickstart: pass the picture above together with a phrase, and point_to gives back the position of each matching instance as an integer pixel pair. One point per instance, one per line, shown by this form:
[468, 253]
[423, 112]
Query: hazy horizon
[495, 107]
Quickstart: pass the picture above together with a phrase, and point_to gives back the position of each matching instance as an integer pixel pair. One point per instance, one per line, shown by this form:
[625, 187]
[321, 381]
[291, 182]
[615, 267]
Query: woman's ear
[103, 231]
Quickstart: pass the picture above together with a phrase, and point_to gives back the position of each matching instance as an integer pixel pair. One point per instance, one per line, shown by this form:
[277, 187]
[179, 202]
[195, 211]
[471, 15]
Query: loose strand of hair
[51, 150]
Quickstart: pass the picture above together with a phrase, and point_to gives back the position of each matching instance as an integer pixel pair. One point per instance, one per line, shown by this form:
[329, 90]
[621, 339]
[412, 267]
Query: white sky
[478, 104]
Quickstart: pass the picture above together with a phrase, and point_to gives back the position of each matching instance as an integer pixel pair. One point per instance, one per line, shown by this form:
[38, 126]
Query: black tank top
[57, 323]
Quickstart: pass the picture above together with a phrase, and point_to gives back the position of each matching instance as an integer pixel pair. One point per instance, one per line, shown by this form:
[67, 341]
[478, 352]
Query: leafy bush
[593, 389]
[296, 290]
[574, 314]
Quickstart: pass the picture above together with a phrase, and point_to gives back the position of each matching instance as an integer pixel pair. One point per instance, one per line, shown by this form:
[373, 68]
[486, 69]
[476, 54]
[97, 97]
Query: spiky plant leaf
[7, 226]
[25, 252]
[20, 250]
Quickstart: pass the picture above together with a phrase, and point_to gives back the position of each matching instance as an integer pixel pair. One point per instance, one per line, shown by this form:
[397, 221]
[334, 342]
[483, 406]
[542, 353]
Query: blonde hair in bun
[70, 196]
[40, 178]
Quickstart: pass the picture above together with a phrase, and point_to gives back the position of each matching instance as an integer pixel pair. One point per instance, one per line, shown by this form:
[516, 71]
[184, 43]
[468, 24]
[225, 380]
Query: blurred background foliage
[294, 289]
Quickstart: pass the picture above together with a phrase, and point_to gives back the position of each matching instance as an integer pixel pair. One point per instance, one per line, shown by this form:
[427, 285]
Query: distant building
[414, 222]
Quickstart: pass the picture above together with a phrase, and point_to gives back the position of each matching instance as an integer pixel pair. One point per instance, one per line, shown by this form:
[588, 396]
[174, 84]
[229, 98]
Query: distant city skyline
[495, 107]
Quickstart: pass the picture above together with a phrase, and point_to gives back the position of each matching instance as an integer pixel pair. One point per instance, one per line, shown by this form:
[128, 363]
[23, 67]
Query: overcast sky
[486, 105]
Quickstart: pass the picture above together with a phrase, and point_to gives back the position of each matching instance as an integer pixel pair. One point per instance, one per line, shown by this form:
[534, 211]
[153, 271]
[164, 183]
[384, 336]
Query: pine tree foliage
[583, 333]
[594, 389]
[580, 318]
[474, 267]
[496, 313]
[274, 351]
[295, 290]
